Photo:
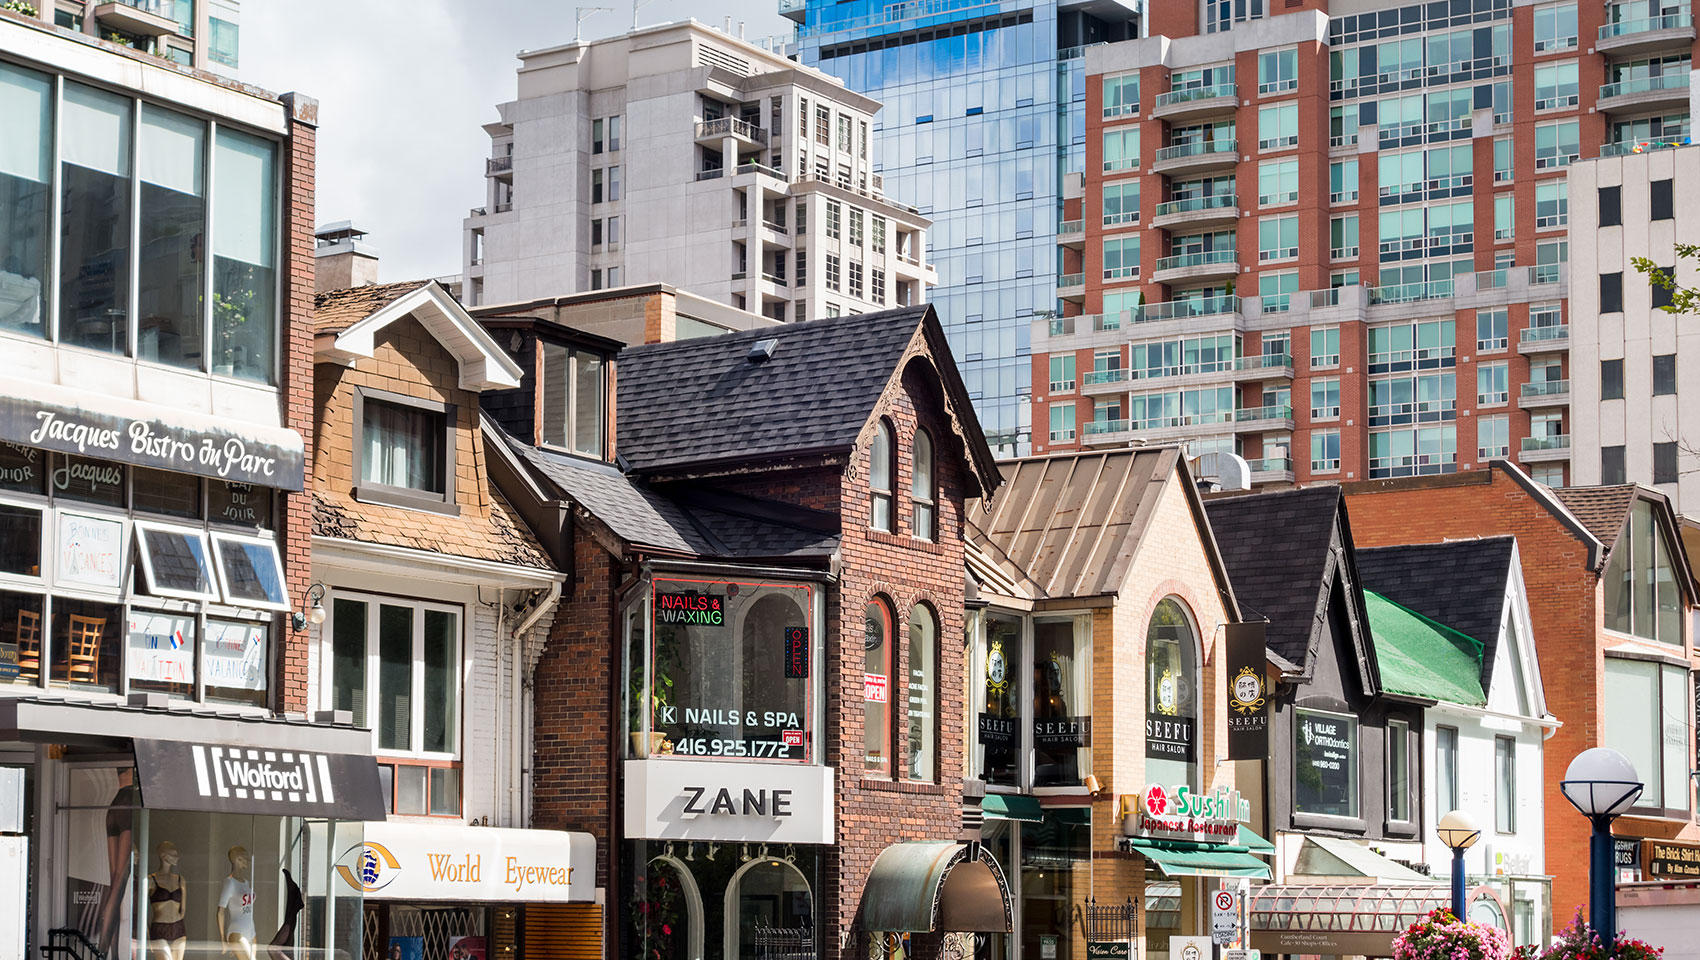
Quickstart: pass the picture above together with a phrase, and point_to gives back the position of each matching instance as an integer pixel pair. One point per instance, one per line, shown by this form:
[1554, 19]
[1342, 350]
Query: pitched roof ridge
[778, 331]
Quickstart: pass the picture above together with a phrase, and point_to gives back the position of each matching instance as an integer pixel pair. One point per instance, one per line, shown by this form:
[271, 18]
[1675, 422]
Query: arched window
[921, 695]
[922, 492]
[765, 893]
[1171, 692]
[876, 684]
[882, 474]
[670, 920]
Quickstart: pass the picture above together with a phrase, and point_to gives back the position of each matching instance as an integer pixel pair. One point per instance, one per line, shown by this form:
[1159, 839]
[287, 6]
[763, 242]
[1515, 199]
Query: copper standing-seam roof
[1603, 510]
[336, 310]
[1073, 522]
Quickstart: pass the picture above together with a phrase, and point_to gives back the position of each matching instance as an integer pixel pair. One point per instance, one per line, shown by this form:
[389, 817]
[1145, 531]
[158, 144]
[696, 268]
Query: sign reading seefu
[690, 609]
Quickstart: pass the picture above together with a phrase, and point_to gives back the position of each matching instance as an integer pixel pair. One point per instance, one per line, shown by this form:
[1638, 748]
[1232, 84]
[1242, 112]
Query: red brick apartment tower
[1579, 538]
[1372, 205]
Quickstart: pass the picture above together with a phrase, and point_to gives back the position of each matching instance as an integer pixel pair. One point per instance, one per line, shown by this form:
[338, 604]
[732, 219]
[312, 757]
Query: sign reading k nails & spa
[413, 861]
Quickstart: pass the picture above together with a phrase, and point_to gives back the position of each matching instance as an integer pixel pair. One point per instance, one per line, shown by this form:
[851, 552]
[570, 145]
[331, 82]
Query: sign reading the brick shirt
[1248, 692]
[147, 442]
[1670, 860]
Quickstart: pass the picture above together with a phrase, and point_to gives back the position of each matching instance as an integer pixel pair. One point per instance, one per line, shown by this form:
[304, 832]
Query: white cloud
[404, 88]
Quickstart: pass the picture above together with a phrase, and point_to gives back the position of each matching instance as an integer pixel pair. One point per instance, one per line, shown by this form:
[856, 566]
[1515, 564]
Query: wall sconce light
[1092, 785]
[315, 611]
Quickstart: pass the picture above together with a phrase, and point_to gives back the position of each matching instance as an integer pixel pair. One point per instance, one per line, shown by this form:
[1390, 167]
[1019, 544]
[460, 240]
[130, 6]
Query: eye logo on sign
[377, 867]
[1248, 691]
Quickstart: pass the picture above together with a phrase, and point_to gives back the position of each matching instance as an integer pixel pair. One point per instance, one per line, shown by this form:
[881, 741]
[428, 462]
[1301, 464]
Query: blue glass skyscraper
[981, 121]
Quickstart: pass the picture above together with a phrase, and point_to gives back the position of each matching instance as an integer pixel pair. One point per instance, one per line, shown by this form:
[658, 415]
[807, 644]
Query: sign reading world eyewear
[228, 778]
[678, 799]
[1179, 813]
[147, 442]
[410, 861]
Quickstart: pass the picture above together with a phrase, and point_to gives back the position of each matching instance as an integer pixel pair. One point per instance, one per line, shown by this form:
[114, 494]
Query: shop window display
[721, 901]
[998, 726]
[1171, 713]
[1062, 701]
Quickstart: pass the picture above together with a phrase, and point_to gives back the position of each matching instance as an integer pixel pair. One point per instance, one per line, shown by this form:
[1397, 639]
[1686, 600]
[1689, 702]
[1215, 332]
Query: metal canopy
[920, 887]
[1357, 919]
[1180, 859]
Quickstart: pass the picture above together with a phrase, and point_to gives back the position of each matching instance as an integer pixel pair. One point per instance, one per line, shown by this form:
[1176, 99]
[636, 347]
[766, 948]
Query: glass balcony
[1645, 90]
[1268, 362]
[1410, 292]
[1545, 388]
[1195, 94]
[1197, 204]
[1560, 441]
[1276, 411]
[1197, 148]
[1099, 377]
[1204, 259]
[1068, 227]
[1071, 280]
[1545, 334]
[1097, 427]
[1192, 307]
[1645, 33]
[1271, 465]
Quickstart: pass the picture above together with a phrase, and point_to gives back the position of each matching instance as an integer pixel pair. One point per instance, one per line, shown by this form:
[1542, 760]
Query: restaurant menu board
[162, 647]
[1325, 764]
[236, 655]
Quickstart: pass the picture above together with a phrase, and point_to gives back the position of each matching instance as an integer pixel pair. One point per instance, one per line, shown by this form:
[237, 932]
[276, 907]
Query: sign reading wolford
[414, 861]
[234, 779]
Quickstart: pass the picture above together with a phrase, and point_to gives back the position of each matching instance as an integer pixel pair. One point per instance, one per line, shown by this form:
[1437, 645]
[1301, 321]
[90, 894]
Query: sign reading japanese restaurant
[1179, 813]
[1248, 692]
[1670, 860]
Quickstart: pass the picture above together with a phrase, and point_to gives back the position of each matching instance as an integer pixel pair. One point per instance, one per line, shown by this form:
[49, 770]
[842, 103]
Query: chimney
[341, 258]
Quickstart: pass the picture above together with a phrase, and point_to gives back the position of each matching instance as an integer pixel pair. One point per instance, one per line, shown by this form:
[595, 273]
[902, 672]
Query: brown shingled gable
[336, 310]
[499, 537]
[1603, 510]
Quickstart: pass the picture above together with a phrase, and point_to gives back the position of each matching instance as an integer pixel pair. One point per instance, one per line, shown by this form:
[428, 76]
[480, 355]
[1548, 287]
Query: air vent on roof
[762, 351]
[1222, 471]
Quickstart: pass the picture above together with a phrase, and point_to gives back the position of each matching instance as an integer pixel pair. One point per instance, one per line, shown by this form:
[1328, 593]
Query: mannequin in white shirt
[236, 908]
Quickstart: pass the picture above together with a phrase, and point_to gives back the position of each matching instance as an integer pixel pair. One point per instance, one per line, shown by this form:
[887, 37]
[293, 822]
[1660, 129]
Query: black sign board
[1063, 732]
[1169, 738]
[228, 778]
[1670, 860]
[240, 503]
[1248, 692]
[997, 731]
[147, 442]
[1120, 950]
[1626, 852]
[1325, 763]
[22, 468]
[796, 653]
[690, 609]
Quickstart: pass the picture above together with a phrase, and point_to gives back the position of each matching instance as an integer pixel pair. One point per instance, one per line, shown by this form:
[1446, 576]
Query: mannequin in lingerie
[168, 936]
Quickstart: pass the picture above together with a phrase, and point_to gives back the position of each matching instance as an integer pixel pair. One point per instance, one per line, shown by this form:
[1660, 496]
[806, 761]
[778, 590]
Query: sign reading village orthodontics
[421, 861]
[131, 433]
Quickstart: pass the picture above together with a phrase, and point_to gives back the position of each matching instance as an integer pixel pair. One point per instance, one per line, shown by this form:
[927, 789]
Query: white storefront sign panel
[162, 647]
[421, 861]
[719, 800]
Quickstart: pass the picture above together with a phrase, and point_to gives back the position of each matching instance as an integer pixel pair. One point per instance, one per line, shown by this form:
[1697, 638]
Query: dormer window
[881, 471]
[923, 495]
[573, 394]
[405, 448]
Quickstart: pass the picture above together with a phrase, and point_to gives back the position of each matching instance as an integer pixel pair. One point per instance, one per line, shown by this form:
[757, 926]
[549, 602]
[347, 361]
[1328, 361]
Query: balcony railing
[159, 8]
[1183, 309]
[1545, 334]
[1274, 361]
[1410, 292]
[1274, 411]
[1097, 377]
[1204, 259]
[1558, 441]
[1071, 280]
[1271, 465]
[1664, 81]
[1106, 426]
[730, 127]
[1196, 148]
[1194, 204]
[1641, 146]
[750, 166]
[1193, 94]
[495, 165]
[1545, 388]
[1068, 227]
[1624, 28]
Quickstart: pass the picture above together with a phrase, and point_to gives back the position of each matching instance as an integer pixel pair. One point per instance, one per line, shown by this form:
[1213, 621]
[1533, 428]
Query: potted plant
[1578, 941]
[230, 315]
[659, 695]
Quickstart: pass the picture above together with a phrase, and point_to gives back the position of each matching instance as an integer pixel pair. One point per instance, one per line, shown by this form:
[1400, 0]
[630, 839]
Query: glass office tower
[982, 119]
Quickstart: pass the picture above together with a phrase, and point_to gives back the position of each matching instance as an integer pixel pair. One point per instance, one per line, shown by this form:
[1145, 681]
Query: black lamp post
[1458, 830]
[1602, 785]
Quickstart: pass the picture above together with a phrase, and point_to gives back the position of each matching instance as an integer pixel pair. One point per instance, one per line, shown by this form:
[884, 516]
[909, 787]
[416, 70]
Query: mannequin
[236, 908]
[168, 936]
[283, 941]
[120, 846]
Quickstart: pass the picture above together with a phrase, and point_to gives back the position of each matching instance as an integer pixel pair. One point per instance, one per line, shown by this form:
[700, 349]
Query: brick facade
[295, 378]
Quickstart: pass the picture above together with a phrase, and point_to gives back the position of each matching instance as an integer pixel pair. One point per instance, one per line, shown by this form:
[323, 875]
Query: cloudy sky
[404, 87]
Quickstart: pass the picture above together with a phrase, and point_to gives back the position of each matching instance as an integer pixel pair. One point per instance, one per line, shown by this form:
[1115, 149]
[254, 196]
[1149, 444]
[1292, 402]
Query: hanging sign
[1179, 813]
[1248, 692]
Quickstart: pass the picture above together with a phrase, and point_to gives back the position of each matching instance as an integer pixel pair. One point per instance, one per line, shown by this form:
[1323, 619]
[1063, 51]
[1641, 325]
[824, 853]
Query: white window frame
[49, 523]
[218, 539]
[416, 722]
[212, 593]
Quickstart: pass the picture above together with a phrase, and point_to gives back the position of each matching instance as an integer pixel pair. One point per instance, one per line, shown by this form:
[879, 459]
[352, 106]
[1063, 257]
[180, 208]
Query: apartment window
[1504, 785]
[1446, 767]
[1324, 347]
[1504, 164]
[833, 309]
[1062, 422]
[1275, 290]
[1277, 126]
[1277, 182]
[862, 139]
[596, 188]
[876, 282]
[823, 126]
[1611, 292]
[1121, 203]
[843, 133]
[1420, 398]
[1399, 771]
[1663, 200]
[1493, 384]
[573, 387]
[1552, 203]
[1557, 144]
[1121, 148]
[855, 227]
[596, 233]
[1426, 344]
[613, 276]
[1551, 474]
[1121, 95]
[1343, 237]
[1062, 372]
[613, 183]
[832, 274]
[855, 271]
[834, 219]
[1277, 71]
[876, 701]
[595, 278]
[396, 664]
[1665, 463]
[876, 224]
[882, 471]
[1325, 399]
[224, 41]
[1647, 713]
[1324, 451]
[923, 491]
[1343, 181]
[1662, 294]
[1550, 258]
[1277, 239]
[1121, 257]
[1664, 375]
[1492, 329]
[1611, 206]
[1493, 437]
[406, 450]
[1504, 216]
[1555, 29]
[802, 266]
[596, 136]
[1411, 452]
[614, 132]
[1611, 465]
[1556, 86]
[803, 119]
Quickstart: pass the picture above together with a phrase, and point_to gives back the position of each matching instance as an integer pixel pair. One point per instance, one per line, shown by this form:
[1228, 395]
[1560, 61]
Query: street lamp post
[1458, 830]
[1602, 785]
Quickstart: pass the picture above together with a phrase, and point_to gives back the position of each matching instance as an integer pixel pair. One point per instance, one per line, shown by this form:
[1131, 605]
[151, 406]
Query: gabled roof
[1603, 510]
[1460, 583]
[1071, 524]
[1423, 658]
[704, 402]
[346, 323]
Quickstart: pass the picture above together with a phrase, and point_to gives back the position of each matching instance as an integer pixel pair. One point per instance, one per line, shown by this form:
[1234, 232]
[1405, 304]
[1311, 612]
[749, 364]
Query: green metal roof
[1422, 658]
[1184, 859]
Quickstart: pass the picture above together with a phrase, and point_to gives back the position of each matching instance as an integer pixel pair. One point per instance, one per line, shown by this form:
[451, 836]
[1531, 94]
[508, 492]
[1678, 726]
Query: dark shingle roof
[1275, 546]
[336, 310]
[701, 401]
[1603, 510]
[1460, 583]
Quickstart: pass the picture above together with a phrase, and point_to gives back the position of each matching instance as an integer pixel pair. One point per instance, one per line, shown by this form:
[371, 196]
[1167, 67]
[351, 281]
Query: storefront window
[235, 654]
[161, 652]
[22, 469]
[1648, 711]
[1171, 690]
[876, 706]
[1062, 700]
[998, 724]
[86, 638]
[1325, 763]
[1054, 853]
[21, 636]
[750, 901]
[20, 541]
[730, 668]
[921, 698]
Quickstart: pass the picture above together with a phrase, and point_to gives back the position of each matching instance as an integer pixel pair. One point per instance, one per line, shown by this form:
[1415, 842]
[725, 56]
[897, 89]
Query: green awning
[1420, 657]
[1004, 806]
[1178, 859]
[1248, 838]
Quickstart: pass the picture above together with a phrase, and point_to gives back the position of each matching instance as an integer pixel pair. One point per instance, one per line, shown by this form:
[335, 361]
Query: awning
[1248, 838]
[67, 420]
[1339, 857]
[1003, 806]
[1341, 919]
[923, 886]
[1178, 858]
[231, 778]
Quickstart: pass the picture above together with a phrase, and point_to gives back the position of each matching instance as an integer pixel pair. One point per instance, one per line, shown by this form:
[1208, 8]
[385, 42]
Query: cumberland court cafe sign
[1179, 813]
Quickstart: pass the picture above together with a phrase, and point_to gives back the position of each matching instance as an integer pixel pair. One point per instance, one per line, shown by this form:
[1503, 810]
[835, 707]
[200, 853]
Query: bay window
[1648, 717]
[1643, 597]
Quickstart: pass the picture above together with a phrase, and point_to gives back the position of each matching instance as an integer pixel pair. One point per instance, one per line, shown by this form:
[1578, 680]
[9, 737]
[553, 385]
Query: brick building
[1334, 242]
[1611, 594]
[756, 500]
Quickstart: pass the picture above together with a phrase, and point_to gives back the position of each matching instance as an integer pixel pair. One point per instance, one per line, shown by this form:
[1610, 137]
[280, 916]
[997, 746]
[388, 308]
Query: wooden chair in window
[28, 638]
[83, 664]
